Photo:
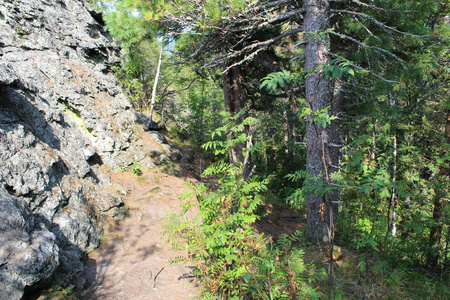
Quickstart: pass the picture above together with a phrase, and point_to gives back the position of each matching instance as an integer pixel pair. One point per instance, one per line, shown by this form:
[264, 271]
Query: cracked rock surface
[64, 122]
[28, 253]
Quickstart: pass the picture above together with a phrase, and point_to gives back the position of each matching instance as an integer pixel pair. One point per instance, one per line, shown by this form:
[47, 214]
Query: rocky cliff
[63, 122]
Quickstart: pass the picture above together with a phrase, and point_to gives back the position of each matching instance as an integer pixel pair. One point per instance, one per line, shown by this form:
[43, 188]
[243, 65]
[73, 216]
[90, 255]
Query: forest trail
[133, 261]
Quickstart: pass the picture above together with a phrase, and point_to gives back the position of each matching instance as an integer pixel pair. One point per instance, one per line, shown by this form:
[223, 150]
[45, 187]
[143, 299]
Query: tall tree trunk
[155, 85]
[200, 121]
[234, 97]
[321, 209]
[438, 211]
[287, 135]
[334, 148]
[393, 199]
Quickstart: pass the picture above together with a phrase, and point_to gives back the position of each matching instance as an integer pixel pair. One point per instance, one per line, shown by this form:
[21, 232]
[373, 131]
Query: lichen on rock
[64, 125]
[63, 122]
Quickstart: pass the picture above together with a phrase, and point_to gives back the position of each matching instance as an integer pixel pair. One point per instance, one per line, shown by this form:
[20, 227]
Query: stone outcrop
[28, 253]
[63, 122]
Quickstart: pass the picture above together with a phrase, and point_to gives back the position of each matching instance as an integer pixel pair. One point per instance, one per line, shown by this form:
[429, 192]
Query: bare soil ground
[133, 261]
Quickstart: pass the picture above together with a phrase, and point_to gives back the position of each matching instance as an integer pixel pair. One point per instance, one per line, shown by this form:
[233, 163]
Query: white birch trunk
[155, 85]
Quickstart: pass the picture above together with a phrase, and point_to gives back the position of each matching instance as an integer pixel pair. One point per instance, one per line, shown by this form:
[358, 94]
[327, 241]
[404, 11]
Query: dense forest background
[339, 110]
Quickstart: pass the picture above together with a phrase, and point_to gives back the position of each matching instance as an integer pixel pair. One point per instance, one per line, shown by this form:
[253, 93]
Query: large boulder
[64, 123]
[55, 62]
[28, 251]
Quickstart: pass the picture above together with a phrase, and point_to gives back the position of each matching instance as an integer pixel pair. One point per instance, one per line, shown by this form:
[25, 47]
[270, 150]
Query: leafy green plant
[172, 233]
[233, 260]
[59, 292]
[339, 68]
[277, 80]
[282, 273]
[136, 169]
[223, 242]
[320, 116]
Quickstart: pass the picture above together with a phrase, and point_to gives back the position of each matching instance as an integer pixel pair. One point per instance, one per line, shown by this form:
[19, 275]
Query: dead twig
[156, 276]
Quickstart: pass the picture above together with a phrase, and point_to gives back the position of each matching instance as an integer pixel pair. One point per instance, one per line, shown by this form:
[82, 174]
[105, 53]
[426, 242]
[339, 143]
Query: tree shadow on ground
[96, 269]
[278, 220]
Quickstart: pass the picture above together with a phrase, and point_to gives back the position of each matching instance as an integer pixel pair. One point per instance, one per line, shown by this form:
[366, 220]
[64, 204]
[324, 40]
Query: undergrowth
[57, 292]
[171, 232]
[232, 260]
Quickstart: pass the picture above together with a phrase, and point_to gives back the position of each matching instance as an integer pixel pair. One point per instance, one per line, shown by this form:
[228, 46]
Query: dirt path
[133, 261]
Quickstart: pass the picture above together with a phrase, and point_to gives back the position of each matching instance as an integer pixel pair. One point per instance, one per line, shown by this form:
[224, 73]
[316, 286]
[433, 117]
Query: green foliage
[58, 292]
[133, 87]
[320, 116]
[224, 244]
[282, 273]
[310, 184]
[136, 169]
[394, 90]
[280, 80]
[340, 68]
[397, 164]
[123, 20]
[297, 200]
[418, 285]
[172, 223]
[232, 259]
[203, 103]
[235, 134]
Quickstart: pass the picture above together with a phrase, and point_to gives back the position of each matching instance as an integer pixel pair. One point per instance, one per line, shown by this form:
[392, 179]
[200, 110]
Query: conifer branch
[377, 22]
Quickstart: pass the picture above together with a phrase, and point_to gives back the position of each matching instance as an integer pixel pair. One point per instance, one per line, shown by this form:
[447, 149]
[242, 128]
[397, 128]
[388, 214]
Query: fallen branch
[154, 279]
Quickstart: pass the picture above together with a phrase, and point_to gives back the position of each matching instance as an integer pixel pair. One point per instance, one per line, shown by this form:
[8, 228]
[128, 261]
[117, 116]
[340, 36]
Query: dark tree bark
[441, 196]
[436, 231]
[234, 96]
[321, 209]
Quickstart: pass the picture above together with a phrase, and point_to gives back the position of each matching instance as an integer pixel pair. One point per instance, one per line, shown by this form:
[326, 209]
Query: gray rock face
[63, 121]
[28, 253]
[56, 57]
